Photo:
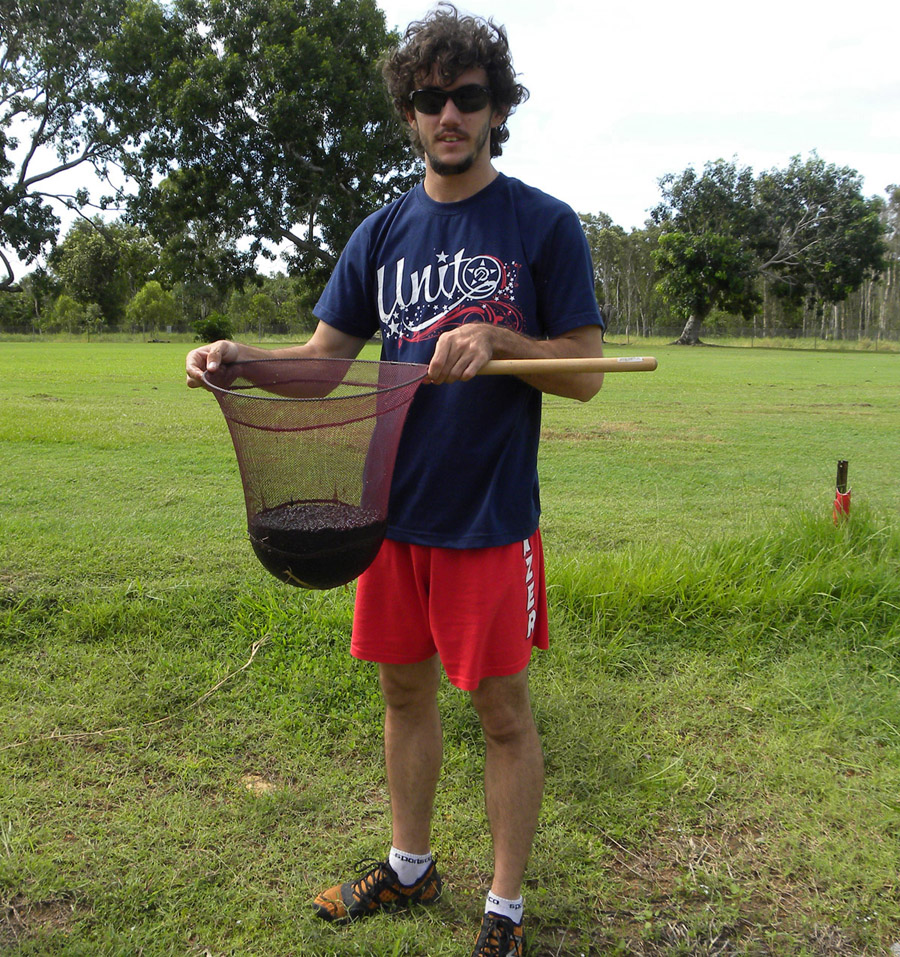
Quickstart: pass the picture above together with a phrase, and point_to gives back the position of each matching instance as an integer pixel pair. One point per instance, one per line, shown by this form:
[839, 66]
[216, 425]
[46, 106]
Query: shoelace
[498, 941]
[368, 882]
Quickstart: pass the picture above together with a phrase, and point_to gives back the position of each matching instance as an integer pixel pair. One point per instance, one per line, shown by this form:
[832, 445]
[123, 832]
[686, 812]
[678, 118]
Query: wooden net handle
[532, 366]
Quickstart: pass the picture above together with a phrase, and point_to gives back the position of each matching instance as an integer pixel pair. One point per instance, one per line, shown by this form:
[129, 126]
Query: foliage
[605, 240]
[277, 304]
[624, 273]
[263, 118]
[92, 266]
[51, 77]
[67, 314]
[822, 239]
[215, 326]
[705, 271]
[152, 308]
[707, 252]
[269, 121]
[15, 311]
[805, 232]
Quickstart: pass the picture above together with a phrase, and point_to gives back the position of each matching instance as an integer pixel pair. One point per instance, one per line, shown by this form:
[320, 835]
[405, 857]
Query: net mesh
[316, 441]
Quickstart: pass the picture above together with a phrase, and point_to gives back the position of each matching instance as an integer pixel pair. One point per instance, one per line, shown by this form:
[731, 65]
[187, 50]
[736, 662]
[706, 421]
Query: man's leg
[413, 749]
[513, 775]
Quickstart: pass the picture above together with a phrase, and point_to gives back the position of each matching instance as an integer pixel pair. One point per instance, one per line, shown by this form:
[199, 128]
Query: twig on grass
[75, 735]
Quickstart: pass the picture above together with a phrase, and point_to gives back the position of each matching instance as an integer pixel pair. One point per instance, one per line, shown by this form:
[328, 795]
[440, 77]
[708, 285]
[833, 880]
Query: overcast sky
[622, 93]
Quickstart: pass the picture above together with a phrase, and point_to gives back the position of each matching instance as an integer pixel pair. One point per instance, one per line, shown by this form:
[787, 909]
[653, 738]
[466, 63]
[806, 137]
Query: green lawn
[720, 707]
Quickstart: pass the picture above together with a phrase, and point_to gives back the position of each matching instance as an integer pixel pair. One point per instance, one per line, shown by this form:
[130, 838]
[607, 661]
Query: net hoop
[417, 369]
[234, 398]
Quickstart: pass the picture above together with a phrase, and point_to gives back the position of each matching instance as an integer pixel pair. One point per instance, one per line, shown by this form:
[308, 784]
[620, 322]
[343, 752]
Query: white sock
[504, 907]
[409, 867]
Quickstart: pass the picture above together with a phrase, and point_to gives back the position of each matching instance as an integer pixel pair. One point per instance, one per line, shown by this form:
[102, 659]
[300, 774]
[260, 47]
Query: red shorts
[481, 610]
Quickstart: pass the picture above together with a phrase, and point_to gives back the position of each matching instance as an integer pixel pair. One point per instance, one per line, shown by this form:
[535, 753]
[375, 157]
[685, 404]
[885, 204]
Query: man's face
[454, 141]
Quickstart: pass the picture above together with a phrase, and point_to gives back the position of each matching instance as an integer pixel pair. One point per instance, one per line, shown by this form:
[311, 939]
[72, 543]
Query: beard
[464, 165]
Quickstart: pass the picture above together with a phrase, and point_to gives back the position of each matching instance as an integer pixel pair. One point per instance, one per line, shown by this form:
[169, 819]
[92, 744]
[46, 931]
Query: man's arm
[325, 343]
[461, 352]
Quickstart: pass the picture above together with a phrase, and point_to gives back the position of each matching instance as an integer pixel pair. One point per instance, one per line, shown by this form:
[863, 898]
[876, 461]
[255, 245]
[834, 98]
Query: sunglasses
[467, 99]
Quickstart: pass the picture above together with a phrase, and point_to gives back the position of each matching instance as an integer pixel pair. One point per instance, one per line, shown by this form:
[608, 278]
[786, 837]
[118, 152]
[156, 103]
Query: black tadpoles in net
[316, 441]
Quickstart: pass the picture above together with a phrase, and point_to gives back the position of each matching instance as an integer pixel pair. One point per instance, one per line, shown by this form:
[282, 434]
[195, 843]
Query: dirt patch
[21, 918]
[257, 784]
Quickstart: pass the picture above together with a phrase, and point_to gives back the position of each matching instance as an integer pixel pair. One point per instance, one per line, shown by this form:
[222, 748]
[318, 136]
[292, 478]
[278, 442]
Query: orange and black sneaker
[377, 888]
[499, 937]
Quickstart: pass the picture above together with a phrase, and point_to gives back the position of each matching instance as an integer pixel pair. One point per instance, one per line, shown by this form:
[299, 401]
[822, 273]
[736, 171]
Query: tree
[270, 121]
[606, 242]
[262, 312]
[805, 231]
[214, 326]
[644, 305]
[15, 312]
[51, 74]
[152, 308]
[103, 263]
[86, 265]
[707, 251]
[197, 251]
[822, 238]
[67, 315]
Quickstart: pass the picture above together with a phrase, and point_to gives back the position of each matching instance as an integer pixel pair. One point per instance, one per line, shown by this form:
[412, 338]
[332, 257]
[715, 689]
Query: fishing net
[316, 441]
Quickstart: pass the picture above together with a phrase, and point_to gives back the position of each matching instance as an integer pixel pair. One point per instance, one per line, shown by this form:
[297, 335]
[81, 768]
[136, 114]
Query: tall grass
[805, 581]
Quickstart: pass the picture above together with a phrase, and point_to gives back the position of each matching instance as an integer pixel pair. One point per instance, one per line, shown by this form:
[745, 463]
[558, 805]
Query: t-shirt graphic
[416, 305]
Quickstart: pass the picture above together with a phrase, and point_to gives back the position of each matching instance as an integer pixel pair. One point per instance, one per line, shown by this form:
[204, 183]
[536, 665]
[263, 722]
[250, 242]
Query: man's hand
[209, 358]
[325, 343]
[461, 352]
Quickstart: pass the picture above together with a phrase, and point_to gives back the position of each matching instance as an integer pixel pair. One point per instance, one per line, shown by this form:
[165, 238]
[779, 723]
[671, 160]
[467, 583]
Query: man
[468, 266]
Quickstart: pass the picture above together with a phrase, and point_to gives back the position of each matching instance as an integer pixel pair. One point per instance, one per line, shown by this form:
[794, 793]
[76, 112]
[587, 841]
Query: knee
[410, 688]
[506, 727]
[505, 712]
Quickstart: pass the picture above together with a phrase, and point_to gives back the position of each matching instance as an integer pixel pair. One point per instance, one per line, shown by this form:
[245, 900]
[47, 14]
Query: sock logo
[412, 859]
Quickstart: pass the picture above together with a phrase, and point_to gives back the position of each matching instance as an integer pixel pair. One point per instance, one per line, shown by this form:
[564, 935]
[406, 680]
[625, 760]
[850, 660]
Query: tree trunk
[690, 335]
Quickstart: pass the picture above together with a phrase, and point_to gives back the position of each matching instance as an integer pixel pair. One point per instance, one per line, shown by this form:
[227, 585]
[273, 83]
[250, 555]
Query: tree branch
[7, 284]
[35, 143]
[306, 246]
[87, 156]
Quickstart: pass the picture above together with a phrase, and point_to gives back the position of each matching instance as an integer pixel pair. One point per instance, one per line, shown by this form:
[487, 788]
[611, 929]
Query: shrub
[214, 326]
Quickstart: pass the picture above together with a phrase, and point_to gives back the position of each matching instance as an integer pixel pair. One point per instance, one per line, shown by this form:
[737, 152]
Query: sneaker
[499, 937]
[377, 888]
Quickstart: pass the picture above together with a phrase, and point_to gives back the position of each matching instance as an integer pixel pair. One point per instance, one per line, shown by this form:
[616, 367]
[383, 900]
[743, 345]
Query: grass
[718, 708]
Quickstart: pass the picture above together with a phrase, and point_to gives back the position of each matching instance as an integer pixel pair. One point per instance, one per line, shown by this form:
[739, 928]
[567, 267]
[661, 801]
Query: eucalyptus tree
[606, 241]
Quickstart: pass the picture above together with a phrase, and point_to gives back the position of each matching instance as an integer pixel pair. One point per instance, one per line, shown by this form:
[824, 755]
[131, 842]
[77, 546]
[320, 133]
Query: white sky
[623, 93]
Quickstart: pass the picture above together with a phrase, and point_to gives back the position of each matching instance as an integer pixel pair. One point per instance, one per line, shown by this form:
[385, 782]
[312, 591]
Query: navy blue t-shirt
[466, 472]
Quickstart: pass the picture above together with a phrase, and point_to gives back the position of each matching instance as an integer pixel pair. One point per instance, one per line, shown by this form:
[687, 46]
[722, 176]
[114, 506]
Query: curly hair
[453, 43]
